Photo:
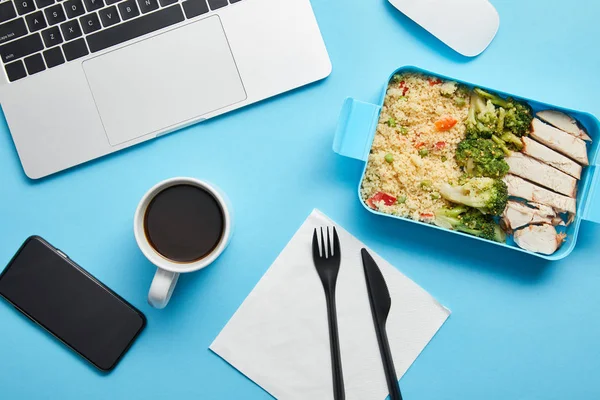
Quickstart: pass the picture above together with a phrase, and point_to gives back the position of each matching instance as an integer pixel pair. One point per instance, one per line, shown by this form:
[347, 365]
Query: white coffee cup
[168, 271]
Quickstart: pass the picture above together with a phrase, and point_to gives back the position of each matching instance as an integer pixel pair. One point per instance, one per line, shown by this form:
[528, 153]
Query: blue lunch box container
[357, 126]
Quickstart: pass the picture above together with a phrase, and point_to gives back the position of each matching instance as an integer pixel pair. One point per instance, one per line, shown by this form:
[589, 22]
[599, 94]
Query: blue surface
[522, 328]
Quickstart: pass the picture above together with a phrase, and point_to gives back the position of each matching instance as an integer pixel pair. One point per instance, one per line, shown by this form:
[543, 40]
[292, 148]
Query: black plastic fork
[327, 263]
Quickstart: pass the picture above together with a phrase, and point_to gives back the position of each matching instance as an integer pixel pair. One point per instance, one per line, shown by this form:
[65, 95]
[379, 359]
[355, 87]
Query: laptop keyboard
[41, 34]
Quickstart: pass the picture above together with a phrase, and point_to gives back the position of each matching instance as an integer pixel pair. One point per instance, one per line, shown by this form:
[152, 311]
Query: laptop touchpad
[163, 81]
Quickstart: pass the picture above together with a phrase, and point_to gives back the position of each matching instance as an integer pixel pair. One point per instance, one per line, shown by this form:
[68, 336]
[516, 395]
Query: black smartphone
[60, 296]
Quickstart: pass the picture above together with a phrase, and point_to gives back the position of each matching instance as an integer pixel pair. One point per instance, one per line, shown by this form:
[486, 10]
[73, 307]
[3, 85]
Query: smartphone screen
[57, 294]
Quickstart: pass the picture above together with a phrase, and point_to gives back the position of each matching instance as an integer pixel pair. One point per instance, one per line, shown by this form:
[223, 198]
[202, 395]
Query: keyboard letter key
[43, 3]
[55, 14]
[128, 9]
[71, 29]
[93, 5]
[90, 23]
[109, 16]
[24, 6]
[74, 8]
[52, 36]
[35, 21]
[148, 5]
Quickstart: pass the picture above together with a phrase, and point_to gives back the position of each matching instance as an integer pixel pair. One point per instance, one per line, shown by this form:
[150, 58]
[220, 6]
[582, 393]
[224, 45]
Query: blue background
[522, 327]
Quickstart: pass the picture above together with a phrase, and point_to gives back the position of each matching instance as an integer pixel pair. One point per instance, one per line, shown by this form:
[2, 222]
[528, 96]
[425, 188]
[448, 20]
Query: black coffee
[184, 223]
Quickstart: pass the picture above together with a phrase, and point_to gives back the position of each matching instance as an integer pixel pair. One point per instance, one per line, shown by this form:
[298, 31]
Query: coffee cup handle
[162, 288]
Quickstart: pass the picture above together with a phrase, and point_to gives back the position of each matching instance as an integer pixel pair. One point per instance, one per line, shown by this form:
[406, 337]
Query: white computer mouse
[467, 26]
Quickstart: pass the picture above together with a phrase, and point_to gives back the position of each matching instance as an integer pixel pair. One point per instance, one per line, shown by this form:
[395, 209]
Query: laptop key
[43, 3]
[164, 3]
[147, 5]
[21, 47]
[234, 1]
[109, 2]
[75, 49]
[24, 6]
[15, 71]
[128, 9]
[71, 30]
[52, 36]
[54, 57]
[216, 4]
[90, 23]
[93, 5]
[55, 14]
[193, 8]
[12, 30]
[35, 64]
[7, 11]
[109, 16]
[73, 8]
[138, 27]
[36, 21]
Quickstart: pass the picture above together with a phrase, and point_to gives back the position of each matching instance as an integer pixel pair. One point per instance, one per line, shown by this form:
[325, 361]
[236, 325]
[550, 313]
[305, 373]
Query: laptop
[84, 78]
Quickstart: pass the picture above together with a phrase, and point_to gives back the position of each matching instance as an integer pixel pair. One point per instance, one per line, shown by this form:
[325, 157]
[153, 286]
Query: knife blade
[381, 303]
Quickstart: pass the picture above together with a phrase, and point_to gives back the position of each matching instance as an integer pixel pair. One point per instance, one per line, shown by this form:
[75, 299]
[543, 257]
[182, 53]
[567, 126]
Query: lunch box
[357, 126]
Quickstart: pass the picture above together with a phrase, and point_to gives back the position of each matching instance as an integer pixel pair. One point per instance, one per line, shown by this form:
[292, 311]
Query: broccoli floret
[482, 120]
[471, 122]
[518, 115]
[502, 145]
[512, 139]
[495, 99]
[486, 114]
[488, 195]
[471, 221]
[518, 119]
[503, 120]
[481, 157]
[449, 218]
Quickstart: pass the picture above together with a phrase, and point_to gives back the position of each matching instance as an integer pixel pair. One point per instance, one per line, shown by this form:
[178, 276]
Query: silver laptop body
[103, 75]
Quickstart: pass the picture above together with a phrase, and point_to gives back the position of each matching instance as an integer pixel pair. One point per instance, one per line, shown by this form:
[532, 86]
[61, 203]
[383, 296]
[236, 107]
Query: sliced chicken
[563, 122]
[560, 141]
[551, 157]
[517, 215]
[549, 211]
[558, 221]
[546, 210]
[542, 174]
[539, 238]
[518, 187]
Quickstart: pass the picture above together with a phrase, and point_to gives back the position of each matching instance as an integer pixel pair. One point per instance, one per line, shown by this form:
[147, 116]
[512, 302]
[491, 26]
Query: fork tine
[336, 243]
[315, 246]
[323, 254]
[329, 253]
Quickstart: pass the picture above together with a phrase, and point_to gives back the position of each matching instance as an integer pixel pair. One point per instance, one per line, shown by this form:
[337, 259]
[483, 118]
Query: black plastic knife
[381, 302]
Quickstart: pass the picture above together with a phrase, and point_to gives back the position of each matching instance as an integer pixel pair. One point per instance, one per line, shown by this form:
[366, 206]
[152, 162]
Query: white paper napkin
[279, 336]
